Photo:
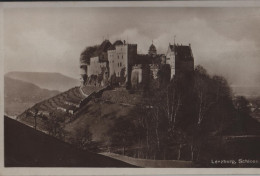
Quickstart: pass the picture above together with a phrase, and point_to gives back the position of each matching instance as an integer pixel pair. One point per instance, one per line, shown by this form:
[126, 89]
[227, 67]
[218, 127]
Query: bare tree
[35, 118]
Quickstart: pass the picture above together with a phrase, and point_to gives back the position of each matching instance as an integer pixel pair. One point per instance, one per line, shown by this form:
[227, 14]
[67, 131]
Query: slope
[26, 147]
[20, 95]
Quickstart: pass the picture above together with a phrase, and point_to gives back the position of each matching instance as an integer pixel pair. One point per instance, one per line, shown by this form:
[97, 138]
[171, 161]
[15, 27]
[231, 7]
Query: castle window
[118, 56]
[122, 56]
[120, 64]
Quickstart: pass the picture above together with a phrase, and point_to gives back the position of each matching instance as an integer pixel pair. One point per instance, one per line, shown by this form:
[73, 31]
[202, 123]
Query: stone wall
[95, 67]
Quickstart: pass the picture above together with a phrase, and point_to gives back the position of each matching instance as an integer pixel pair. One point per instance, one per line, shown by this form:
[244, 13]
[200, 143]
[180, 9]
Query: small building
[62, 109]
[71, 111]
[44, 113]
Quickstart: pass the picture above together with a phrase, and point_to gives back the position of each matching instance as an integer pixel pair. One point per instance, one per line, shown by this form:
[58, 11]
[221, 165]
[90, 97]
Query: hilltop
[45, 80]
[99, 111]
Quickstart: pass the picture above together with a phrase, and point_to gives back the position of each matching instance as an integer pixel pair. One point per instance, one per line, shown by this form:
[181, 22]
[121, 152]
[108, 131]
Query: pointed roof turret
[152, 50]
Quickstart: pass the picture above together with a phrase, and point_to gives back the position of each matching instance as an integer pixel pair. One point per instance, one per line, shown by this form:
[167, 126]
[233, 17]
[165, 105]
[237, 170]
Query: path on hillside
[148, 163]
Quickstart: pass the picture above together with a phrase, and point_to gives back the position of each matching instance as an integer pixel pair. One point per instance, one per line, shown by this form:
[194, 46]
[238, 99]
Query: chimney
[124, 42]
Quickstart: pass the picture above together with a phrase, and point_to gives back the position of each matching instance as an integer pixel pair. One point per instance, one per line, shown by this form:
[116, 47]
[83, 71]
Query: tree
[242, 105]
[113, 80]
[123, 75]
[164, 75]
[83, 138]
[122, 134]
[204, 98]
[35, 118]
[54, 127]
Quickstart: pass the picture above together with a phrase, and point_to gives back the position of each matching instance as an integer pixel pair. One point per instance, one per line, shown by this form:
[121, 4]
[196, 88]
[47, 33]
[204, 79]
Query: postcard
[130, 88]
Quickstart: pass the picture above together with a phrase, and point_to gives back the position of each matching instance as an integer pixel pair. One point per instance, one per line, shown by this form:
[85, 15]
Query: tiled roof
[152, 48]
[112, 47]
[103, 47]
[118, 42]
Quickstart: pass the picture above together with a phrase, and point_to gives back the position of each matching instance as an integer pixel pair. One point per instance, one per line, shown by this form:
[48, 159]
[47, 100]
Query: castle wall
[95, 67]
[185, 66]
[136, 75]
[170, 59]
[118, 60]
[122, 58]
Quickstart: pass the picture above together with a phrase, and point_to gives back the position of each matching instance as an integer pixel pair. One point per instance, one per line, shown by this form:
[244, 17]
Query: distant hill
[45, 80]
[20, 95]
[26, 147]
[247, 91]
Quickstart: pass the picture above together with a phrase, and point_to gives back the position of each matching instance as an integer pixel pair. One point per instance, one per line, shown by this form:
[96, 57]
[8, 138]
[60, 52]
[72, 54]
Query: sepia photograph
[131, 87]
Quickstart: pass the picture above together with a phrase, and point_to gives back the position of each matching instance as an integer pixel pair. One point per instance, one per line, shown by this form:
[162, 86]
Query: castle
[119, 63]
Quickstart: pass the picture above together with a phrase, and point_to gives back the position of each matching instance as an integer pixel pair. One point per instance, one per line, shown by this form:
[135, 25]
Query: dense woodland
[178, 119]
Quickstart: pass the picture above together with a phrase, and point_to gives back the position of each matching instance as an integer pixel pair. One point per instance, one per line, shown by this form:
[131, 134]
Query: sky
[225, 41]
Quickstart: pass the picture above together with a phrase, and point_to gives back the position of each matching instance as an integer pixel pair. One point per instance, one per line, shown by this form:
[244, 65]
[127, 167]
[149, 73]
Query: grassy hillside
[100, 113]
[26, 147]
[20, 95]
[100, 116]
[68, 100]
[51, 81]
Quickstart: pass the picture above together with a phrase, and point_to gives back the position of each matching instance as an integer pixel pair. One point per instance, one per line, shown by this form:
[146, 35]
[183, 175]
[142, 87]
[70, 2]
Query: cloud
[224, 40]
[37, 50]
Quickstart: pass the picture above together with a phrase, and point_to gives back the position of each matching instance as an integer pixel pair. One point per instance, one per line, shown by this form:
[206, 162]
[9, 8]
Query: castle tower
[152, 50]
[180, 59]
